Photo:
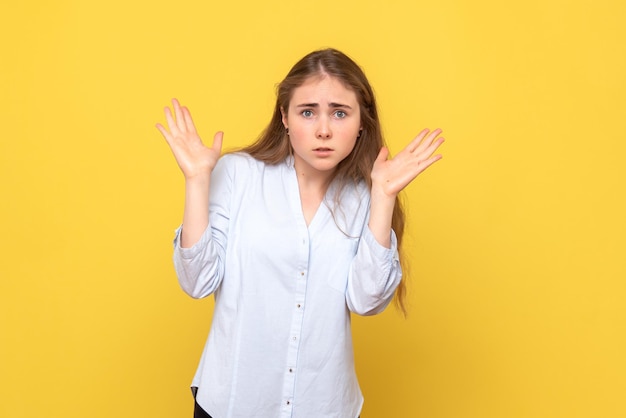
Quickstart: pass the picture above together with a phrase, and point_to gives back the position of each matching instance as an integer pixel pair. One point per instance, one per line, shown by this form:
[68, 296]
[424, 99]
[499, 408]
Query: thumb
[382, 155]
[217, 142]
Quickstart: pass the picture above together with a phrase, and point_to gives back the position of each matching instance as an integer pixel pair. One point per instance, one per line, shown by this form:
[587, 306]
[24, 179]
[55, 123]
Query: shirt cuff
[381, 251]
[194, 250]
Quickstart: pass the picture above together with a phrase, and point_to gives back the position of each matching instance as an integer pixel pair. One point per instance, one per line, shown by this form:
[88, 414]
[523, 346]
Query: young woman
[292, 234]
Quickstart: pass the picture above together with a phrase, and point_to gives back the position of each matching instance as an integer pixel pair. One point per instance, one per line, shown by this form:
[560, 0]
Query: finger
[416, 141]
[170, 122]
[423, 165]
[434, 134]
[180, 119]
[428, 140]
[217, 142]
[432, 160]
[164, 132]
[432, 148]
[190, 126]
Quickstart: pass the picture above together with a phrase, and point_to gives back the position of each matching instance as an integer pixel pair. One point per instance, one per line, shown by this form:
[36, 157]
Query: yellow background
[517, 237]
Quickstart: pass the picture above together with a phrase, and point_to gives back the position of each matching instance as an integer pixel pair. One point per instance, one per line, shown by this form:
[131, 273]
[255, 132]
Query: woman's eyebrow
[332, 104]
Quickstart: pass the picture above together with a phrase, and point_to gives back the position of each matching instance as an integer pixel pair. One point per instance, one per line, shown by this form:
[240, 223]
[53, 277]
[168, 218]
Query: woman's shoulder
[242, 166]
[236, 158]
[241, 161]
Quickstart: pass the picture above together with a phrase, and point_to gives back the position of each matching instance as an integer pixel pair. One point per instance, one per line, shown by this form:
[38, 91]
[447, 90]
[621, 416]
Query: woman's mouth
[323, 151]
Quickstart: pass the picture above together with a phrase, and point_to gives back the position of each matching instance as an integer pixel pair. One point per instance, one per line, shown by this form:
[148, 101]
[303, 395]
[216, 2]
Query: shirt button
[290, 370]
[299, 306]
[294, 338]
[288, 402]
[301, 273]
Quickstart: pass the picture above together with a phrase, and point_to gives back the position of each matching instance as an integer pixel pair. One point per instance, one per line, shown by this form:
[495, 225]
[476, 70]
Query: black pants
[198, 412]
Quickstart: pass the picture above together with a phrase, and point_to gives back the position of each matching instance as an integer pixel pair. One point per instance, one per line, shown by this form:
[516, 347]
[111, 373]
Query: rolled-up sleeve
[200, 268]
[374, 275]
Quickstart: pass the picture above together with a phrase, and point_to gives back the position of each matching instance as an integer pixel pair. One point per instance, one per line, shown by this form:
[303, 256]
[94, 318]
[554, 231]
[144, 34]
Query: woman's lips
[323, 151]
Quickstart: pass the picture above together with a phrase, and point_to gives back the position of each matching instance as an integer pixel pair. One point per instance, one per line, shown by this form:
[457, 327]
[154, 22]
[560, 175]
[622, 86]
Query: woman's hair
[273, 146]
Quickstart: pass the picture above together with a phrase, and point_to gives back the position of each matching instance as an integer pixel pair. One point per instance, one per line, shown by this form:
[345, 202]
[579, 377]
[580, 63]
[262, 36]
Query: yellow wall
[517, 236]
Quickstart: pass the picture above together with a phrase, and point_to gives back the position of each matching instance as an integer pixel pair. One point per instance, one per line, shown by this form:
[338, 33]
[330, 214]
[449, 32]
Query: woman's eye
[307, 113]
[340, 114]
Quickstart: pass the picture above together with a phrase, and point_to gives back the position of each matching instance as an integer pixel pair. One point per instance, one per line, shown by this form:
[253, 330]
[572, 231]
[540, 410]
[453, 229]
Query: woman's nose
[323, 129]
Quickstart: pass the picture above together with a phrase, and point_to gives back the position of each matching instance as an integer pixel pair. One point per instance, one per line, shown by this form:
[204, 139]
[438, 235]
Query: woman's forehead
[323, 89]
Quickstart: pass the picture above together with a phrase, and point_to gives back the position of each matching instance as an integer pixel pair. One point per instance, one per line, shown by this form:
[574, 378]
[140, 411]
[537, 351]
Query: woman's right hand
[195, 160]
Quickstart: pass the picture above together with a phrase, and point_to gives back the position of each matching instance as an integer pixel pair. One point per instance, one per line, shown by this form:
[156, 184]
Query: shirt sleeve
[374, 275]
[200, 268]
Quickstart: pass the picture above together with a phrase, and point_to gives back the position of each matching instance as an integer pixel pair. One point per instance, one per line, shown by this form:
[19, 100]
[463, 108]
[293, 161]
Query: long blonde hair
[273, 146]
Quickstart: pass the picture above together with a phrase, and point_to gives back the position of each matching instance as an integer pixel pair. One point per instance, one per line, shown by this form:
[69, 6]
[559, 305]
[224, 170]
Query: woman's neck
[312, 191]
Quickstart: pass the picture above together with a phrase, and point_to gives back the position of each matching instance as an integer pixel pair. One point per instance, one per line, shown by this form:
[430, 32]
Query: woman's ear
[284, 117]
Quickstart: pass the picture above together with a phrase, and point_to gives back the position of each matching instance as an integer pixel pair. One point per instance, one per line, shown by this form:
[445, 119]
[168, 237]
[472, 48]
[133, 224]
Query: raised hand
[390, 176]
[193, 157]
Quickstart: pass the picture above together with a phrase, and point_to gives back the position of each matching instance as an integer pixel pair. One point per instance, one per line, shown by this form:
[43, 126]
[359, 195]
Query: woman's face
[324, 120]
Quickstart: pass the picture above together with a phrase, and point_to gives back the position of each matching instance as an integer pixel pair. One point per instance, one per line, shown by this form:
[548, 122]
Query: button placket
[296, 324]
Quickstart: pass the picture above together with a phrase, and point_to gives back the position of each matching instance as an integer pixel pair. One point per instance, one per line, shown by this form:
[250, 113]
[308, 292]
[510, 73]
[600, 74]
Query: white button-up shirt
[280, 343]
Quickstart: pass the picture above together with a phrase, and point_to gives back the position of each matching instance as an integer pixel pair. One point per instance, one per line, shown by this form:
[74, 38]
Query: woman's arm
[390, 176]
[196, 161]
[376, 270]
[198, 249]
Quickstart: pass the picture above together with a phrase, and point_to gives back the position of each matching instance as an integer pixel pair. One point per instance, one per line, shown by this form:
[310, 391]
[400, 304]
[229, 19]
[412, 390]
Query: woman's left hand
[392, 175]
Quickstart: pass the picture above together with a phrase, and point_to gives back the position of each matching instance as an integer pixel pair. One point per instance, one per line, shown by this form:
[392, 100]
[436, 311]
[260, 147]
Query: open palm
[193, 157]
[394, 174]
